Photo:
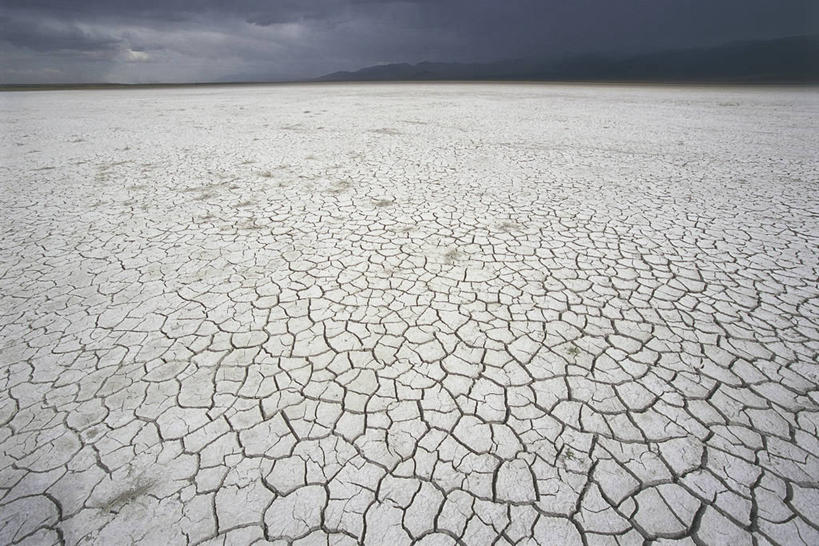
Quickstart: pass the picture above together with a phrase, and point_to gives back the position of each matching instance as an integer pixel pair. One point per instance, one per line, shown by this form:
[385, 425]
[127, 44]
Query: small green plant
[128, 496]
[573, 351]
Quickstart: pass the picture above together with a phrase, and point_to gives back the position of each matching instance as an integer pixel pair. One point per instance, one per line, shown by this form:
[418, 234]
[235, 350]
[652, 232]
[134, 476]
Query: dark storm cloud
[44, 36]
[172, 40]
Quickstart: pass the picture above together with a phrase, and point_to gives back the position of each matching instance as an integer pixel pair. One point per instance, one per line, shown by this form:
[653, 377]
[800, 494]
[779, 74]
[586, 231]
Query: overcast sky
[142, 41]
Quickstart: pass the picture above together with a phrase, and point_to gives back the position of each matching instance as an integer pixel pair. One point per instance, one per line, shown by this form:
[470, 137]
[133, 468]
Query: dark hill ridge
[784, 60]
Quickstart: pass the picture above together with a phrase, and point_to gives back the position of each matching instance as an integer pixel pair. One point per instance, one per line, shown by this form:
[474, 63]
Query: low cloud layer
[46, 41]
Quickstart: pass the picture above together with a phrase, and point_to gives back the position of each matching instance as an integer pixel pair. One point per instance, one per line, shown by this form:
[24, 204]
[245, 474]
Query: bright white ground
[386, 313]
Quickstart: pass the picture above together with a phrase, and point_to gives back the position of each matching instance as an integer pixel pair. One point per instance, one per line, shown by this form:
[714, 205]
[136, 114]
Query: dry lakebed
[410, 313]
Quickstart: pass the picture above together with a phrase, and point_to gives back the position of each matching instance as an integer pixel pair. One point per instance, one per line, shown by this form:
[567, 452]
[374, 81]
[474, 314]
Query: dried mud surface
[386, 314]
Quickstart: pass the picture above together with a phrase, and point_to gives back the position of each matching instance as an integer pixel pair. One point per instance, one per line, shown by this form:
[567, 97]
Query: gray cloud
[207, 40]
[49, 35]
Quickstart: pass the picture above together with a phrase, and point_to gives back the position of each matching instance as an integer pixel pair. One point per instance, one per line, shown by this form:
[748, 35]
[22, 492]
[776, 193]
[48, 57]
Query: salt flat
[468, 314]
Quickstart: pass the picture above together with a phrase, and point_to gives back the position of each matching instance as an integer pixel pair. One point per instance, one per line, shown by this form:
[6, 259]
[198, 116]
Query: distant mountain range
[784, 60]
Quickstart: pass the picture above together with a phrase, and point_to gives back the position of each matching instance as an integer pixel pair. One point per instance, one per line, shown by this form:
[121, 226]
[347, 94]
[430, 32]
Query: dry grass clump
[508, 226]
[340, 186]
[452, 255]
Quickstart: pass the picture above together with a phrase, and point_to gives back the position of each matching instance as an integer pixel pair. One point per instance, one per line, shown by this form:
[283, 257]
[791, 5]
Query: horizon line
[91, 86]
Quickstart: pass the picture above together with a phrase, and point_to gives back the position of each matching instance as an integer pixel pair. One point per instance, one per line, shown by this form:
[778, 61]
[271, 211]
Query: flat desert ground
[384, 314]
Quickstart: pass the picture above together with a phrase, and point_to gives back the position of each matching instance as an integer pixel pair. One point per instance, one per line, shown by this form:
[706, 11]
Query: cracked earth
[386, 314]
